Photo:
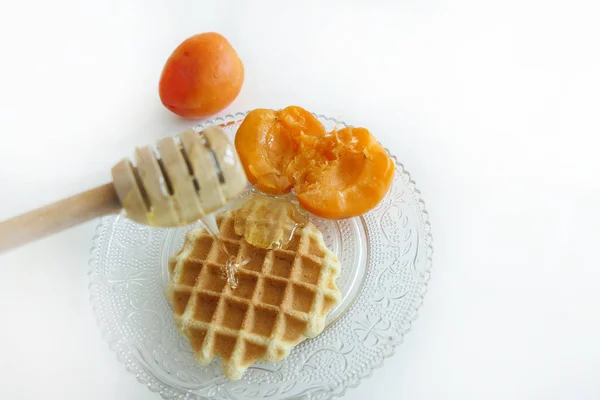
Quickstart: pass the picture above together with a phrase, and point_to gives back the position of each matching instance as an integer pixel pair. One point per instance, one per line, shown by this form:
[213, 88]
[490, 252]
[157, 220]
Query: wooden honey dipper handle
[58, 216]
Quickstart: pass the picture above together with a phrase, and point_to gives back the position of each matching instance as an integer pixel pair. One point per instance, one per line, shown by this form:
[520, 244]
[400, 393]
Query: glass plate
[386, 259]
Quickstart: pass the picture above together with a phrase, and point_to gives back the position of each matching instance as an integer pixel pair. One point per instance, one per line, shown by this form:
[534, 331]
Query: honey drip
[268, 222]
[264, 221]
[232, 263]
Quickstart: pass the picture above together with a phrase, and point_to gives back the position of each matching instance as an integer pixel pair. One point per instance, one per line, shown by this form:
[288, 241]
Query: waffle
[282, 297]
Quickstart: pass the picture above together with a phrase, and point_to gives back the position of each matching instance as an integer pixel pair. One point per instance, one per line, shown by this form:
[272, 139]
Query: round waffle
[282, 297]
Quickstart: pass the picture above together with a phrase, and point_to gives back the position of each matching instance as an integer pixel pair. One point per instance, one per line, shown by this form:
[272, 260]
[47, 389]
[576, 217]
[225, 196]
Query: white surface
[492, 106]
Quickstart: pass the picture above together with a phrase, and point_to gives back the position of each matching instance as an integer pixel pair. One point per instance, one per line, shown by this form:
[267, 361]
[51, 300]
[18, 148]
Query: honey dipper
[174, 186]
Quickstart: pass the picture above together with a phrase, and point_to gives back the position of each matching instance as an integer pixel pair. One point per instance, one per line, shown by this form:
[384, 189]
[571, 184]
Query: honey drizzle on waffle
[267, 222]
[232, 264]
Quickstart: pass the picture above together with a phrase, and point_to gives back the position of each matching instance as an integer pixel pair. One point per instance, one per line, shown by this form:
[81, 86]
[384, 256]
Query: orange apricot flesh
[340, 174]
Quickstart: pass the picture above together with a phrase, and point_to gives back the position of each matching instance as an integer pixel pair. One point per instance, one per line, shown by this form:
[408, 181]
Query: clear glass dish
[386, 259]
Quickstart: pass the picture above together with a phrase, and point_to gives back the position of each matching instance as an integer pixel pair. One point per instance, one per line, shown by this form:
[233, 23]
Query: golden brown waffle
[282, 296]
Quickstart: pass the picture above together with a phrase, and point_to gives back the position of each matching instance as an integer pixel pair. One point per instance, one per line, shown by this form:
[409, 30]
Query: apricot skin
[201, 77]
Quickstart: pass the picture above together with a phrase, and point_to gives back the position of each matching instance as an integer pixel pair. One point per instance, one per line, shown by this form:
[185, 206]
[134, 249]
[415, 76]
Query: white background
[492, 106]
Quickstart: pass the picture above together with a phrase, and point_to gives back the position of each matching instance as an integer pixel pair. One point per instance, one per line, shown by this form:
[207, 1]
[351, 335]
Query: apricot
[340, 174]
[349, 178]
[267, 142]
[202, 76]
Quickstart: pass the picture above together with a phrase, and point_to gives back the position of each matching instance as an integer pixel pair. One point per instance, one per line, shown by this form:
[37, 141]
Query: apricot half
[347, 176]
[340, 174]
[267, 142]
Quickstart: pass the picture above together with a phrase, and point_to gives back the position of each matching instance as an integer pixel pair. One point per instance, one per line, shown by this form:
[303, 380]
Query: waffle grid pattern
[282, 297]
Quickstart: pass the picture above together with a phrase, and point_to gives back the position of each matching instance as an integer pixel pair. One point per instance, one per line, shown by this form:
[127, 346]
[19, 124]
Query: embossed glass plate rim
[135, 365]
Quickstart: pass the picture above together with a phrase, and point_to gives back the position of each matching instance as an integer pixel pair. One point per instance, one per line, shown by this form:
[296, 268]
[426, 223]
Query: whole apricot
[202, 76]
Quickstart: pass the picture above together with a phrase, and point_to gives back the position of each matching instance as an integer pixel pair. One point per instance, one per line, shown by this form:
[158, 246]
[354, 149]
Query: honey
[268, 222]
[265, 221]
[231, 265]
